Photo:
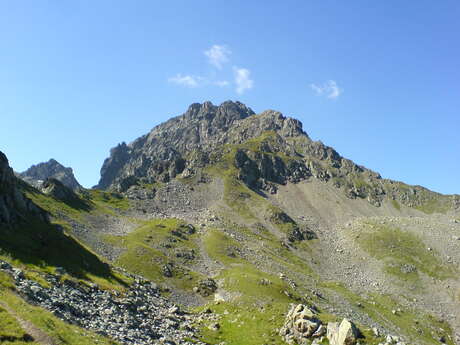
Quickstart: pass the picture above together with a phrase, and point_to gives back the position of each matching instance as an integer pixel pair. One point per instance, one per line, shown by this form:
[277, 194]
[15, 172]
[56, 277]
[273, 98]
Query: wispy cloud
[242, 80]
[218, 55]
[222, 83]
[186, 80]
[330, 89]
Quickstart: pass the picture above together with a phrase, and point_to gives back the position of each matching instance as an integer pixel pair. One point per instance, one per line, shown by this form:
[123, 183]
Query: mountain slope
[269, 202]
[236, 216]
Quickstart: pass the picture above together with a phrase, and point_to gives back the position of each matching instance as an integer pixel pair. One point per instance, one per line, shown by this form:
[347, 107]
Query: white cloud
[330, 89]
[218, 55]
[185, 80]
[242, 79]
[221, 83]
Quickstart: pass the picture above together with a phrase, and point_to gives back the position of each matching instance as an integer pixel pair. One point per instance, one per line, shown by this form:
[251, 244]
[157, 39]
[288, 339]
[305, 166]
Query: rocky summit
[223, 226]
[38, 173]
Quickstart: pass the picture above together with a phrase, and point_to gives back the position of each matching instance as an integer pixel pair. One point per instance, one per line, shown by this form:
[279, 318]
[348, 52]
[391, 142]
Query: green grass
[86, 202]
[41, 247]
[218, 246]
[256, 311]
[10, 330]
[396, 205]
[397, 248]
[435, 205]
[248, 325]
[145, 252]
[58, 208]
[256, 308]
[107, 199]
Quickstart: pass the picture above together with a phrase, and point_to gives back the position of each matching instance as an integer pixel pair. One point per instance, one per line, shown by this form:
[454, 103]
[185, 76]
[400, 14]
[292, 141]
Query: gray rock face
[14, 206]
[187, 142]
[37, 174]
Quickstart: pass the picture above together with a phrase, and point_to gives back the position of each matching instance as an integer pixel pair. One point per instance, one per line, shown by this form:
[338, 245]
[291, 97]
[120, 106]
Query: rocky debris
[14, 206]
[37, 174]
[137, 316]
[296, 232]
[344, 333]
[394, 340]
[206, 287]
[301, 325]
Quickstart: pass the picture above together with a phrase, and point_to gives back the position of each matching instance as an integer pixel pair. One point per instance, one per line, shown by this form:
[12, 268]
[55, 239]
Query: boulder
[206, 287]
[300, 325]
[344, 333]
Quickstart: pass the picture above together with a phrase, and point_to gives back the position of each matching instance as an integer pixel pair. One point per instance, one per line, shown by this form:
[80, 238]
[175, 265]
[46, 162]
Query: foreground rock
[301, 325]
[344, 333]
[138, 316]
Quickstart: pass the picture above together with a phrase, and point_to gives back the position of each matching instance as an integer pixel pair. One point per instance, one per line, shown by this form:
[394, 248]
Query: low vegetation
[404, 253]
[158, 243]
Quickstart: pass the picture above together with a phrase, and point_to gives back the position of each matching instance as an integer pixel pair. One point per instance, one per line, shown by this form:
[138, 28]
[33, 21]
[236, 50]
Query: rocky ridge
[37, 174]
[268, 150]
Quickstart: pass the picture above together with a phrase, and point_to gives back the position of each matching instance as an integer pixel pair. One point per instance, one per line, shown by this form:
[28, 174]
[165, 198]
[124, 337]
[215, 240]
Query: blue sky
[377, 80]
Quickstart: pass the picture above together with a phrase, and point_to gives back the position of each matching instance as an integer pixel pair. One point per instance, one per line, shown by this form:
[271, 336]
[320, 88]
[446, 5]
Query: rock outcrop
[301, 325]
[58, 190]
[188, 142]
[14, 206]
[37, 174]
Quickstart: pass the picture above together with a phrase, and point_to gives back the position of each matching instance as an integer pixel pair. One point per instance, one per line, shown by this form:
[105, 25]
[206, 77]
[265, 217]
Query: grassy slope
[397, 248]
[418, 326]
[154, 244]
[253, 317]
[39, 248]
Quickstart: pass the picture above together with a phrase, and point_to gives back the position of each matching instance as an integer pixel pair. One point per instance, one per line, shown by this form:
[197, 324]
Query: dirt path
[38, 335]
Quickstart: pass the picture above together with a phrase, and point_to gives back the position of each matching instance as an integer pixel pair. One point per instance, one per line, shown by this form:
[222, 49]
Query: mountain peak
[38, 173]
[228, 109]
